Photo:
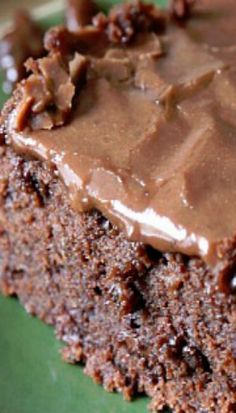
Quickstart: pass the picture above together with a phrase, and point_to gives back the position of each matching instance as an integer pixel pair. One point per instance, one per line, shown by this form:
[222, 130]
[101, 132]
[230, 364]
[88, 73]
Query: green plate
[33, 377]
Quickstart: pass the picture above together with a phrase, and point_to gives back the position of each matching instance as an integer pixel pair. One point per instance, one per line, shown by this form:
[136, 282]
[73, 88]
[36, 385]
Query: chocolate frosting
[79, 13]
[151, 141]
[24, 39]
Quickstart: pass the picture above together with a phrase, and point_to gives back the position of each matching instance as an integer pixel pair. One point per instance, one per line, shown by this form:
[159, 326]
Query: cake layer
[140, 321]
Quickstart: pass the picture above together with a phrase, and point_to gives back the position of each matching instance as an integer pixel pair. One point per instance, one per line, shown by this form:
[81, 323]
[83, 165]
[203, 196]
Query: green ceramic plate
[33, 378]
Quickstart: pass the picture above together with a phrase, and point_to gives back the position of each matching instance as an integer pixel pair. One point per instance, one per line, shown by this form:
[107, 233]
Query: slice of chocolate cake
[117, 216]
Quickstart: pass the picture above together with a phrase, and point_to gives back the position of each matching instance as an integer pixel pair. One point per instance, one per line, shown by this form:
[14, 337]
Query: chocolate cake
[117, 214]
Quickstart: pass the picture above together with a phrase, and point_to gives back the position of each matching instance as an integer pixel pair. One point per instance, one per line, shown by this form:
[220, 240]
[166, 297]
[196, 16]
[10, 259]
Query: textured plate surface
[33, 378]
